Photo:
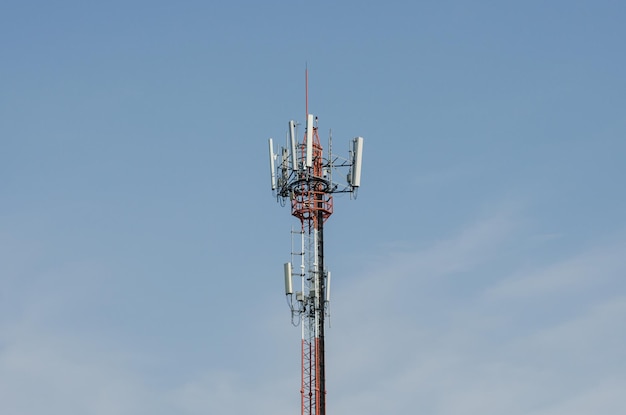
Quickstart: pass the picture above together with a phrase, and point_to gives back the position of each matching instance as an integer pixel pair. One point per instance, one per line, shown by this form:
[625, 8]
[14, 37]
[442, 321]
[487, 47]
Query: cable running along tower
[302, 176]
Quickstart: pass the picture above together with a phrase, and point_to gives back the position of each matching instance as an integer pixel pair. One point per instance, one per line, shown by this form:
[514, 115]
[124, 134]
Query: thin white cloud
[598, 266]
[234, 393]
[405, 338]
[502, 346]
[606, 398]
[55, 374]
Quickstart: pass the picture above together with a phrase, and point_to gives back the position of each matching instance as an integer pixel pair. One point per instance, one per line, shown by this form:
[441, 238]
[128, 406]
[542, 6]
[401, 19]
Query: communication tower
[302, 175]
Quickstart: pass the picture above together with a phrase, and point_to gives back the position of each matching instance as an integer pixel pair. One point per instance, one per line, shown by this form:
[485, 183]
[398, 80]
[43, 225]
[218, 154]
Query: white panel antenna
[328, 287]
[309, 141]
[357, 152]
[292, 141]
[272, 170]
[288, 284]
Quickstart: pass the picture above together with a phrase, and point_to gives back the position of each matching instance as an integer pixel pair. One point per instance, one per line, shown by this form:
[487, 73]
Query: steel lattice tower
[302, 175]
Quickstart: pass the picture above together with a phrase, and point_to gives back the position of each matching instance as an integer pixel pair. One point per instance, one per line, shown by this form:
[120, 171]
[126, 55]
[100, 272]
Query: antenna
[328, 287]
[272, 170]
[310, 196]
[309, 141]
[288, 283]
[292, 141]
[357, 153]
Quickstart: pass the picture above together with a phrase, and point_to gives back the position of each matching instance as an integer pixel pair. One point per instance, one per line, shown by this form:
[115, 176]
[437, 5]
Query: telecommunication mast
[302, 176]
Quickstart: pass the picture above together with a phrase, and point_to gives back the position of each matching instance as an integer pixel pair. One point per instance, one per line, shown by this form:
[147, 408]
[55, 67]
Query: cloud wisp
[438, 331]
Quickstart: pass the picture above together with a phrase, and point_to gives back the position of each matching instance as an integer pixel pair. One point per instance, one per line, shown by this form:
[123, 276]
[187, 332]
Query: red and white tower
[303, 175]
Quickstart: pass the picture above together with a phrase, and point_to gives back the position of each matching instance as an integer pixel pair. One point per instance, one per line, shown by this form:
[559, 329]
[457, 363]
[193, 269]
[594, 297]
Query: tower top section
[304, 175]
[301, 173]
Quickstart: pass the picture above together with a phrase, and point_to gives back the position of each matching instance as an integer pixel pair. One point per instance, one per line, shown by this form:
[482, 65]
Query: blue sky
[480, 271]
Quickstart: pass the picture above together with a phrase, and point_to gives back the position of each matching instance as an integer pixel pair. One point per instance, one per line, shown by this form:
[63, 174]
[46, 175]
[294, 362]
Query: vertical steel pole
[322, 296]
